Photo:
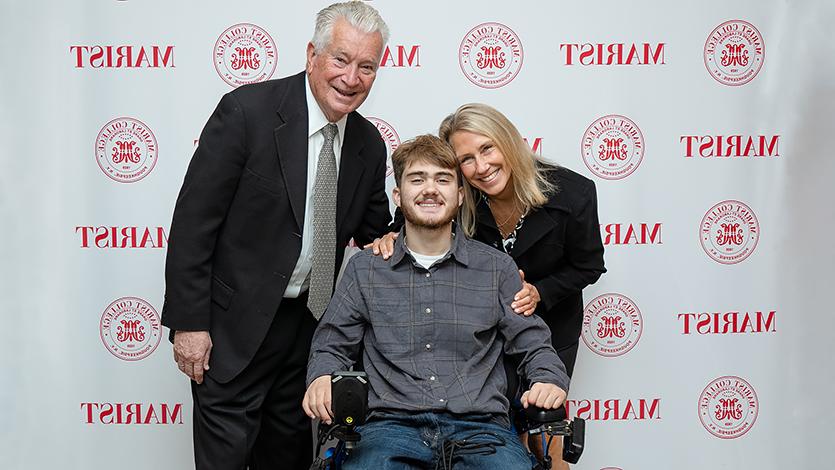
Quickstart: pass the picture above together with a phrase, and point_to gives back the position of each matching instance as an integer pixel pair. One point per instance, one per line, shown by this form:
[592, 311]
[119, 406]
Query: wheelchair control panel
[550, 423]
[349, 391]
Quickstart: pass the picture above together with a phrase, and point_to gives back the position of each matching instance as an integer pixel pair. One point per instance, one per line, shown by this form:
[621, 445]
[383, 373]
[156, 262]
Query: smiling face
[341, 74]
[428, 195]
[482, 164]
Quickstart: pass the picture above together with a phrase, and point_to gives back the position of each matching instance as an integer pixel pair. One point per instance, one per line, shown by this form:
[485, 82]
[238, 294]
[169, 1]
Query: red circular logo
[612, 325]
[490, 55]
[130, 328]
[612, 147]
[734, 52]
[126, 150]
[729, 232]
[244, 54]
[728, 407]
[390, 137]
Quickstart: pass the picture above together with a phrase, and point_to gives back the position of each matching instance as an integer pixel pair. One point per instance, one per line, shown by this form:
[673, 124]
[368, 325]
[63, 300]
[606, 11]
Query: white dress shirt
[316, 120]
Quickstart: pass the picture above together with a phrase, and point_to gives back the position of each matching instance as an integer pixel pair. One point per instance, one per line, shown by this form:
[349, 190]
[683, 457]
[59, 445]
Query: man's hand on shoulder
[191, 353]
[317, 399]
[545, 396]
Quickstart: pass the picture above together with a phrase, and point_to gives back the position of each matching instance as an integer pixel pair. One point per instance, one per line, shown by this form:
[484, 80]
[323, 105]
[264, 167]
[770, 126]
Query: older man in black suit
[286, 173]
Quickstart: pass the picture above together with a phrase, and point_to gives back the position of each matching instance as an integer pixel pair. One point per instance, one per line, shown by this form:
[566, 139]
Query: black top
[559, 248]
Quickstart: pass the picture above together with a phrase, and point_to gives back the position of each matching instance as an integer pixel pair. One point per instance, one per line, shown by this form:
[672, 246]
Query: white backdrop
[76, 396]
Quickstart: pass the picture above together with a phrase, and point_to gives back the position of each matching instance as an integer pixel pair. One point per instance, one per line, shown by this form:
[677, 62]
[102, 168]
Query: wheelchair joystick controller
[350, 410]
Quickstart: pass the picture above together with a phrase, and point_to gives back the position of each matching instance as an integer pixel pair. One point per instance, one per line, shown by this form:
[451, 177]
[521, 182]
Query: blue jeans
[406, 441]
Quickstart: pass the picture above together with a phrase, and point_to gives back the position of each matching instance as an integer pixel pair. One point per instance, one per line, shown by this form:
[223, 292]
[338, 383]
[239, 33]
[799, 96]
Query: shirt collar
[316, 119]
[459, 250]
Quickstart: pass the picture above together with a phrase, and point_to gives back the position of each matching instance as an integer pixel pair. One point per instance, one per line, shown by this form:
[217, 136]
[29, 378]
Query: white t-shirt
[426, 260]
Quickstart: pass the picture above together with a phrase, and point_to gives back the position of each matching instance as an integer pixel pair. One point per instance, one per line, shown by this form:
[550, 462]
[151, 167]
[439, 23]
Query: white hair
[358, 14]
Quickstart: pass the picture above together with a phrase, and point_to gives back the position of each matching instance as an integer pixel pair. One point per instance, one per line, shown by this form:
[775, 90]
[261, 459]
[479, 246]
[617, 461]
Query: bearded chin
[412, 217]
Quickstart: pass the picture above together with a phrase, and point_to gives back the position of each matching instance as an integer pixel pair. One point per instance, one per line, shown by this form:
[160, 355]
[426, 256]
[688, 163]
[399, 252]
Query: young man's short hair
[426, 148]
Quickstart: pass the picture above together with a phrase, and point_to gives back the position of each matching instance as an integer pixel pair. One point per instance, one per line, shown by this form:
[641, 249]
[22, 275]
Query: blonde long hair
[530, 185]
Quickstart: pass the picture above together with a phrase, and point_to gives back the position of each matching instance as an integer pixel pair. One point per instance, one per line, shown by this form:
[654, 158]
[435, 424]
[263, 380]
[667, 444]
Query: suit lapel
[351, 167]
[291, 144]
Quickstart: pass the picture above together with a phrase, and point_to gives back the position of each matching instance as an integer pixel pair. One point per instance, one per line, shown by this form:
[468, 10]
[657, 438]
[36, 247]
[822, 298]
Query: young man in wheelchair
[433, 323]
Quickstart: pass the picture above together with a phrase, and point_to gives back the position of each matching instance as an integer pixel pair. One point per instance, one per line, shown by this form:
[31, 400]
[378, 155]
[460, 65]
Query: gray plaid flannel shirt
[432, 340]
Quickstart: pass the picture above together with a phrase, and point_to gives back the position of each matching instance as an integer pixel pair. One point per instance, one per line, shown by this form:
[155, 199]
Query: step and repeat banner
[706, 127]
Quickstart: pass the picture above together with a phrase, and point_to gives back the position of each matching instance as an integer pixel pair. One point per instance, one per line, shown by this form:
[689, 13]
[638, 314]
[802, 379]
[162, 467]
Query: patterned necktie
[324, 227]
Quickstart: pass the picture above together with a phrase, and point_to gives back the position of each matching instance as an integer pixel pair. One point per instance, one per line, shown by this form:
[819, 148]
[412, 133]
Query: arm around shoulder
[377, 216]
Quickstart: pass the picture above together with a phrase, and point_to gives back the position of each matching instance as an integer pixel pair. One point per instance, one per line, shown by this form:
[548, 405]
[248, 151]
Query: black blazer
[236, 232]
[559, 248]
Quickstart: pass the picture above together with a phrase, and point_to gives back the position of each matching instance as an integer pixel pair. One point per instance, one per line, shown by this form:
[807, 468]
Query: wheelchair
[350, 407]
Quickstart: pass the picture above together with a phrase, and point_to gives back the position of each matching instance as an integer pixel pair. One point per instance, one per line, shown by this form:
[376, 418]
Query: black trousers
[256, 420]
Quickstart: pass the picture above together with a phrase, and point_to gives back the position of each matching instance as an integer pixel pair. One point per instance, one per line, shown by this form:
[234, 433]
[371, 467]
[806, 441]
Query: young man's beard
[412, 216]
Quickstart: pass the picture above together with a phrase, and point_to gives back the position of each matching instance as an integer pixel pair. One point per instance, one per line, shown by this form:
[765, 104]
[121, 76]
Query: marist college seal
[734, 53]
[390, 138]
[729, 232]
[490, 55]
[130, 328]
[728, 407]
[126, 150]
[612, 325]
[612, 147]
[244, 54]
